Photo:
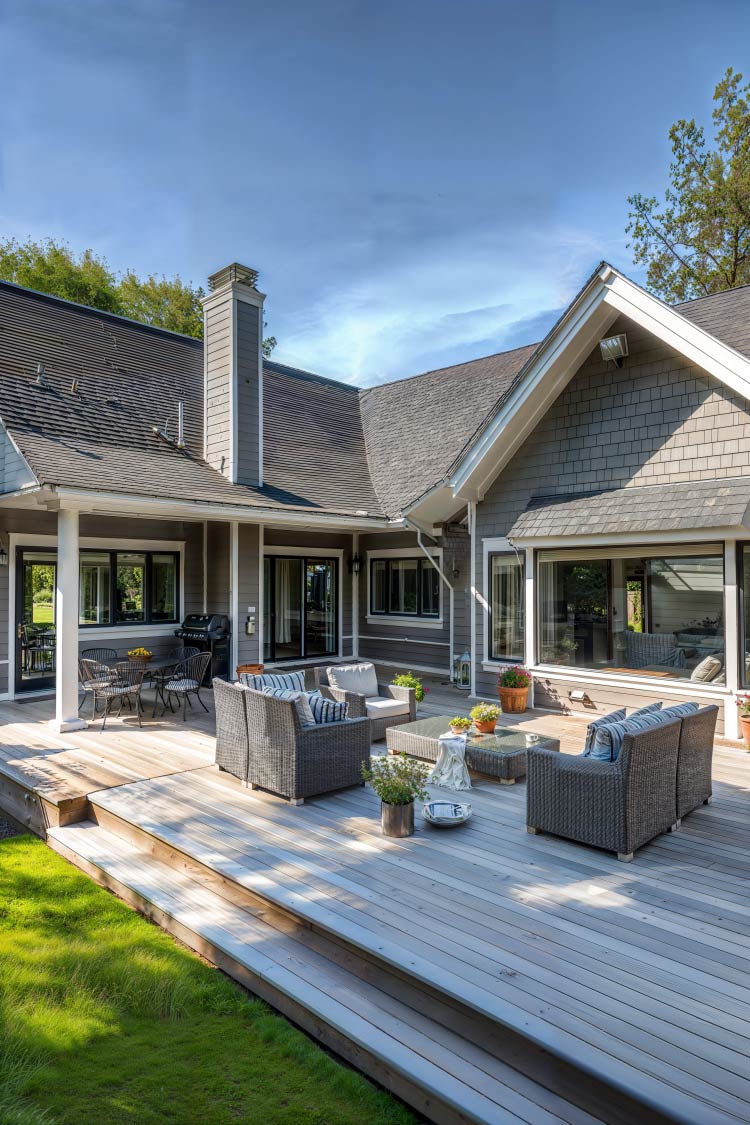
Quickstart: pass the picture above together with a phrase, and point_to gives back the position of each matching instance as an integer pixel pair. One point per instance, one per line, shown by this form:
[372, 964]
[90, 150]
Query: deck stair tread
[645, 1032]
[458, 1073]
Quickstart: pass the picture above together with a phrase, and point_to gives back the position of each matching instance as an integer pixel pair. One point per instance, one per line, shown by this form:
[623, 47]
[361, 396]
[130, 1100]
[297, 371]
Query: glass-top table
[501, 755]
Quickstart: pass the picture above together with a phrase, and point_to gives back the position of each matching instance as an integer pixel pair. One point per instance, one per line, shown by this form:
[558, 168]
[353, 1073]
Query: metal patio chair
[186, 680]
[120, 684]
[91, 673]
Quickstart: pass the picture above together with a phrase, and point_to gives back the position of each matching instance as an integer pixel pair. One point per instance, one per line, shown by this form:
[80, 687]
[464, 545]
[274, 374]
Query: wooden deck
[481, 973]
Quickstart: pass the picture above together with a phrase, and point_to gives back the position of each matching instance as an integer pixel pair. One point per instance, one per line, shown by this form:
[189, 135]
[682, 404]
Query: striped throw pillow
[292, 681]
[680, 710]
[326, 710]
[300, 701]
[608, 741]
[597, 724]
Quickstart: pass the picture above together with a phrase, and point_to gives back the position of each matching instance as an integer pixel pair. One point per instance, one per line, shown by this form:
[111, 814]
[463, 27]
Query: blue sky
[418, 182]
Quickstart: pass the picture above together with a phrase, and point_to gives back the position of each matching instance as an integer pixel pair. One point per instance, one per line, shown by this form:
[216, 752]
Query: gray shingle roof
[415, 427]
[618, 511]
[724, 315]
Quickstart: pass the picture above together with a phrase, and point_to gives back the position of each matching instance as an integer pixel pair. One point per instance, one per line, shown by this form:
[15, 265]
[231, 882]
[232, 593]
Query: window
[128, 587]
[408, 587]
[659, 615]
[744, 562]
[506, 586]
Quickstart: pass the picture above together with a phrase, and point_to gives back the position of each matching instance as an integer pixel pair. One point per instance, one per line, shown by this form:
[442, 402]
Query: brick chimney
[233, 374]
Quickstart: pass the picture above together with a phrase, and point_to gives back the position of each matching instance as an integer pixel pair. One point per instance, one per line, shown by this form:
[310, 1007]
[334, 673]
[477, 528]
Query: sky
[418, 182]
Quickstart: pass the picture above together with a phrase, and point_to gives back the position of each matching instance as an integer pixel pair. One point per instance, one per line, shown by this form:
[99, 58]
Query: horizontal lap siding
[399, 642]
[248, 593]
[655, 420]
[248, 392]
[218, 364]
[217, 568]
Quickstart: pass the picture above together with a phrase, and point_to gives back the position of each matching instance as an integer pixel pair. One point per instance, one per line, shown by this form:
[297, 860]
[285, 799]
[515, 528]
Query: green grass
[43, 613]
[104, 1018]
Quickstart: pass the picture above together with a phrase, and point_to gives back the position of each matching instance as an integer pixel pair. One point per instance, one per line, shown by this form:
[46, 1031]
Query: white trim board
[607, 295]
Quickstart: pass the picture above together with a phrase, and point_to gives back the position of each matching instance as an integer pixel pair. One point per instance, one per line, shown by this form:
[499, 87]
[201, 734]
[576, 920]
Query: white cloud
[446, 298]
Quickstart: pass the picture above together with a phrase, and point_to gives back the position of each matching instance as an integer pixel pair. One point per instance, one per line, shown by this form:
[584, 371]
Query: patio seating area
[481, 973]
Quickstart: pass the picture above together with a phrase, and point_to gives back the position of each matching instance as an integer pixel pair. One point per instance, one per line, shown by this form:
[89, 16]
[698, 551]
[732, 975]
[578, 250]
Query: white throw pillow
[359, 678]
[708, 669]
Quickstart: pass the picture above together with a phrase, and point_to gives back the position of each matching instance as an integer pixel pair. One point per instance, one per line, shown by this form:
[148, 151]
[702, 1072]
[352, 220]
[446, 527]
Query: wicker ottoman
[501, 755]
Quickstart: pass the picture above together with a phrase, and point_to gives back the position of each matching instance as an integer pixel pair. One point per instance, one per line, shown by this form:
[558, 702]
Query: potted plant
[743, 702]
[397, 780]
[141, 655]
[485, 716]
[513, 685]
[408, 679]
[459, 724]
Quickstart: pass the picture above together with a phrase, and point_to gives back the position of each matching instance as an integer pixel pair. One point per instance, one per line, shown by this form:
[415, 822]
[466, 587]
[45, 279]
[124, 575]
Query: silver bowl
[446, 814]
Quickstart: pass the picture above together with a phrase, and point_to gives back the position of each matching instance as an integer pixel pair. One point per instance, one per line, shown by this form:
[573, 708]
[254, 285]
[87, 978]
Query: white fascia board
[147, 507]
[609, 295]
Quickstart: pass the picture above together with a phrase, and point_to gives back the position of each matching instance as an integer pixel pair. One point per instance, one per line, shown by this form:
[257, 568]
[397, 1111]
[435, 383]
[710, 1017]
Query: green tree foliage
[52, 267]
[698, 240]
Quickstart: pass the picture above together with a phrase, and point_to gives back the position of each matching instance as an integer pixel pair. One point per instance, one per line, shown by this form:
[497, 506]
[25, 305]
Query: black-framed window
[404, 587]
[505, 582]
[128, 588]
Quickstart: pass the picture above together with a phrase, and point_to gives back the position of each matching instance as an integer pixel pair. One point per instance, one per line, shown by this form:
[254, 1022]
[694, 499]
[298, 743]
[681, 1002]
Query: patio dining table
[158, 671]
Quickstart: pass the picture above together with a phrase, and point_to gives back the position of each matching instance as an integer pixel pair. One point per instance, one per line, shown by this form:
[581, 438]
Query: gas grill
[210, 633]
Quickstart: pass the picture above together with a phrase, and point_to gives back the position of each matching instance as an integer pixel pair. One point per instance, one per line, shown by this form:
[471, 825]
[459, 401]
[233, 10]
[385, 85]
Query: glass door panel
[35, 619]
[267, 611]
[287, 609]
[320, 607]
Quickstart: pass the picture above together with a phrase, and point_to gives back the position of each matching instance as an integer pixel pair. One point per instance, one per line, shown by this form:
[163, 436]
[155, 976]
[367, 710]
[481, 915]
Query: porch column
[66, 624]
[731, 639]
[234, 596]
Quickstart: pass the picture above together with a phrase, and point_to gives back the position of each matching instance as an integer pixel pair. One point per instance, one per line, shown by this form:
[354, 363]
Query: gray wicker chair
[298, 762]
[694, 760]
[358, 704]
[618, 805]
[232, 746]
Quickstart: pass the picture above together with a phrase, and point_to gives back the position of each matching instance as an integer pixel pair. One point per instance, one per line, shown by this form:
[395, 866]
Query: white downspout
[441, 572]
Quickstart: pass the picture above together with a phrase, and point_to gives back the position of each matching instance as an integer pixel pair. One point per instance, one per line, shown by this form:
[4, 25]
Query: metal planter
[397, 820]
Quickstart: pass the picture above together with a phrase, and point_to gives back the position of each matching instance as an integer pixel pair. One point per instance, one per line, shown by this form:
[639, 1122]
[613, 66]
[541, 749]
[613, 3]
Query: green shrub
[408, 679]
[397, 780]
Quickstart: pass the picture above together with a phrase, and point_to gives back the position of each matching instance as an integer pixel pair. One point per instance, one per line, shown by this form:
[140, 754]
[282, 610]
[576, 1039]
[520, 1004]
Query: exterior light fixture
[614, 348]
[355, 564]
[3, 556]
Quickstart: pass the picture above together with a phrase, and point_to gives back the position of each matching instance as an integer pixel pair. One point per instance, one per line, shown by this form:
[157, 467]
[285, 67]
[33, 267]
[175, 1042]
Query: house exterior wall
[218, 336]
[249, 330]
[24, 525]
[656, 420]
[419, 645]
[217, 568]
[248, 572]
[14, 472]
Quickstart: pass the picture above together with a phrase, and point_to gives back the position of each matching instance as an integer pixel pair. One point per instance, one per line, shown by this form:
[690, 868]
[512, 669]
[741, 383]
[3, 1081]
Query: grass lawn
[43, 613]
[104, 1018]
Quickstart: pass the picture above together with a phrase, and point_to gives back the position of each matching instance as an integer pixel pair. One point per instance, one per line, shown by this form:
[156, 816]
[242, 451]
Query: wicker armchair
[358, 704]
[694, 760]
[618, 805]
[232, 745]
[298, 762]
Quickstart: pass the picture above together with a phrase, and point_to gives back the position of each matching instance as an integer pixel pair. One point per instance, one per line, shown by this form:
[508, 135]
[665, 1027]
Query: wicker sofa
[381, 706]
[618, 805]
[260, 740]
[694, 760]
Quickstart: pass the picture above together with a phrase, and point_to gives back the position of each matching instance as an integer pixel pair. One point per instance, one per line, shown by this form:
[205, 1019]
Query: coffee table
[501, 755]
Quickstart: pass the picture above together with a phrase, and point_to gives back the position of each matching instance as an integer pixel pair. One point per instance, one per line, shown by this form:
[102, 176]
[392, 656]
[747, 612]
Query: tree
[698, 241]
[52, 267]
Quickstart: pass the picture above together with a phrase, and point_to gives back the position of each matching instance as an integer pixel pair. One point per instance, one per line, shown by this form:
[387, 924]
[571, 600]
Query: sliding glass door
[299, 610]
[35, 619]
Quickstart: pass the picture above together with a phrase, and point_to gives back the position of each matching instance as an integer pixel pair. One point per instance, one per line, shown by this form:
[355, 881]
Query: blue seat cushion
[597, 724]
[609, 739]
[326, 710]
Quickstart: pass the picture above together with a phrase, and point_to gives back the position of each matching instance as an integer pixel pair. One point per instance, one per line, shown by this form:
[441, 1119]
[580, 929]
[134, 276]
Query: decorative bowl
[446, 814]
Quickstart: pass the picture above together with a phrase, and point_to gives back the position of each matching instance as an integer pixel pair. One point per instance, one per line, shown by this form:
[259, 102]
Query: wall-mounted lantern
[355, 564]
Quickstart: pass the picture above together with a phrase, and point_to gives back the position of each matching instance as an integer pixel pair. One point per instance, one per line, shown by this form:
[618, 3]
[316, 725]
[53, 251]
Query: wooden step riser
[330, 1037]
[558, 1075]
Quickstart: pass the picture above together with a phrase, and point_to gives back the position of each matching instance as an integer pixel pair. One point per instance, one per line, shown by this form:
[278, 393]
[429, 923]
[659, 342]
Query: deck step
[376, 1024]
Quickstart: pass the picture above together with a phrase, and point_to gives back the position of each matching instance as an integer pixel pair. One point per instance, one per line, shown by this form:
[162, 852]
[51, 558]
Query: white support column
[472, 513]
[261, 607]
[355, 599]
[731, 638]
[234, 596]
[66, 624]
[530, 617]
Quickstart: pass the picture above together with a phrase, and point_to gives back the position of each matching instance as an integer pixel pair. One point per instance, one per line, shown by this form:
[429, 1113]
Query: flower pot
[139, 659]
[459, 730]
[487, 727]
[745, 727]
[397, 820]
[513, 700]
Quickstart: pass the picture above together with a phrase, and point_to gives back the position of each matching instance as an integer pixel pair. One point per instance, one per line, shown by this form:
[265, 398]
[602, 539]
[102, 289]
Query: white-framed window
[505, 583]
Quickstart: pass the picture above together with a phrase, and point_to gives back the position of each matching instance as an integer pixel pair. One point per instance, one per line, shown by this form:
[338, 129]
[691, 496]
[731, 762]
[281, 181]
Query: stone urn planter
[397, 821]
[513, 700]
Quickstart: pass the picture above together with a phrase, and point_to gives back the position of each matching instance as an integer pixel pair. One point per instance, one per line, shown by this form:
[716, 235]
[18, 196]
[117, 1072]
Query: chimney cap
[233, 272]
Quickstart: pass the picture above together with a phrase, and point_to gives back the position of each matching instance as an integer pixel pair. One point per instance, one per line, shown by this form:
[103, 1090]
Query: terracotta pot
[513, 700]
[397, 820]
[251, 669]
[485, 728]
[460, 730]
[745, 727]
